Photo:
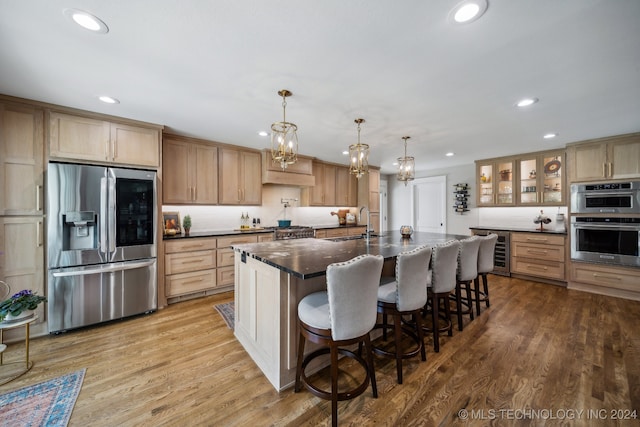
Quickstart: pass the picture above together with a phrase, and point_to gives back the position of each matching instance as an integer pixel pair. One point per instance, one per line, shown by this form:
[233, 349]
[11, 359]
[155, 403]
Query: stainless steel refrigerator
[101, 239]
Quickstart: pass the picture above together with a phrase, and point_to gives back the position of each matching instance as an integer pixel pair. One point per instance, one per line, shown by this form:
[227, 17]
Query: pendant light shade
[359, 155]
[406, 165]
[284, 139]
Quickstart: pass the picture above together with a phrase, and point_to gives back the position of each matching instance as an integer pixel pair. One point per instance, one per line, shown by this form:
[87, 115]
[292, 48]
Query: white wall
[223, 218]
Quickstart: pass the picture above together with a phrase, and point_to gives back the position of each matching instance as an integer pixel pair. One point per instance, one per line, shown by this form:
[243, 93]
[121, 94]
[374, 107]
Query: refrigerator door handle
[111, 268]
[112, 215]
[103, 216]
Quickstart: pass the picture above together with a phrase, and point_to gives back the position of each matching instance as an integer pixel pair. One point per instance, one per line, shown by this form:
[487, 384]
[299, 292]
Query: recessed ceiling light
[108, 100]
[525, 102]
[86, 20]
[467, 11]
[346, 153]
[394, 164]
[263, 133]
[550, 135]
[449, 154]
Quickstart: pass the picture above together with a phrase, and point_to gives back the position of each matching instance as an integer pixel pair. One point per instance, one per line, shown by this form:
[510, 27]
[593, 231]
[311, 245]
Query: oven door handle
[598, 195]
[591, 226]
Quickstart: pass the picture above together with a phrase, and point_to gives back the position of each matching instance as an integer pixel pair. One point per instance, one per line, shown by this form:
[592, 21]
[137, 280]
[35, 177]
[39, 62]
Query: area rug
[45, 404]
[227, 311]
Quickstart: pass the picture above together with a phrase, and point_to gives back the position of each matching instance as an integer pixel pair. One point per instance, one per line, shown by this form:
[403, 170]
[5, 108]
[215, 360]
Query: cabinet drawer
[321, 234]
[547, 269]
[190, 261]
[186, 283]
[265, 237]
[545, 239]
[226, 276]
[225, 257]
[539, 252]
[225, 242]
[357, 231]
[186, 245]
[337, 232]
[610, 277]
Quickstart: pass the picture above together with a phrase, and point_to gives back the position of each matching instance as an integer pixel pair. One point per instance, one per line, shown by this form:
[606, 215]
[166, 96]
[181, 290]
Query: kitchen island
[272, 277]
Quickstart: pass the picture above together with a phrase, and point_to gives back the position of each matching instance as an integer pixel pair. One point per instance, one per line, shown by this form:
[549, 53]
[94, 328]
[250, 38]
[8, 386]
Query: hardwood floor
[538, 348]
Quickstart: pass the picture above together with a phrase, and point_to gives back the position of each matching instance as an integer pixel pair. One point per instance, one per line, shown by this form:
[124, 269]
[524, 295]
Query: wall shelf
[461, 198]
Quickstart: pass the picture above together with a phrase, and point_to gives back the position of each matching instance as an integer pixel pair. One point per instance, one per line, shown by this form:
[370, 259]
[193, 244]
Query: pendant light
[406, 165]
[284, 139]
[359, 155]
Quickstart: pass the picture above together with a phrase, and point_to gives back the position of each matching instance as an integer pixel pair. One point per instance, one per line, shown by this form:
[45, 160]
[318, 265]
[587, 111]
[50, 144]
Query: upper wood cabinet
[190, 172]
[346, 187]
[369, 196]
[532, 179]
[323, 193]
[21, 160]
[606, 158]
[83, 138]
[495, 182]
[240, 177]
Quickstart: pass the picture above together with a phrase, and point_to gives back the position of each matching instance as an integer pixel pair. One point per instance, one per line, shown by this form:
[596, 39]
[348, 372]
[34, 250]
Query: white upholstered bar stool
[441, 281]
[467, 272]
[341, 316]
[485, 265]
[407, 295]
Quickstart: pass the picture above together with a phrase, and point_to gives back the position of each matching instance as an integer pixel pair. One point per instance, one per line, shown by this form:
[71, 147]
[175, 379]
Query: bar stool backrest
[352, 288]
[468, 258]
[444, 263]
[486, 253]
[412, 272]
[5, 290]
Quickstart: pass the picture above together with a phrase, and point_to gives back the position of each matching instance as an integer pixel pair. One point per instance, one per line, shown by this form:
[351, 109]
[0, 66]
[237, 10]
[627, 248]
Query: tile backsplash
[518, 217]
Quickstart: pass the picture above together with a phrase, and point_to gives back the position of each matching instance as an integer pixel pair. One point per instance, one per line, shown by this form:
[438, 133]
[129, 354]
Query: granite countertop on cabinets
[521, 229]
[307, 258]
[217, 233]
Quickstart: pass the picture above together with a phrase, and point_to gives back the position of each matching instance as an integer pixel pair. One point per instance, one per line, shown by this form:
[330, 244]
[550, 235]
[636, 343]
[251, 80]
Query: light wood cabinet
[538, 255]
[226, 271]
[369, 196]
[83, 138]
[606, 158]
[190, 266]
[22, 259]
[323, 193]
[541, 179]
[240, 180]
[495, 182]
[346, 187]
[190, 172]
[615, 281]
[21, 160]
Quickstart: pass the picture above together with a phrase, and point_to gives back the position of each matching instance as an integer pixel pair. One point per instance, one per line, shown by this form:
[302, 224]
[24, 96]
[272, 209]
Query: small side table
[27, 364]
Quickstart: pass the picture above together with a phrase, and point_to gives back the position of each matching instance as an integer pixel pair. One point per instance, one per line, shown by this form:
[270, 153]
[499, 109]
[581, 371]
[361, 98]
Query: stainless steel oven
[607, 240]
[606, 198]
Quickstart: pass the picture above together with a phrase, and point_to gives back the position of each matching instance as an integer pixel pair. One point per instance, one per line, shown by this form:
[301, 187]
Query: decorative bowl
[284, 222]
[406, 231]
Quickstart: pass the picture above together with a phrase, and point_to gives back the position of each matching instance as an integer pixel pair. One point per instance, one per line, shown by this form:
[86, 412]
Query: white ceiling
[212, 69]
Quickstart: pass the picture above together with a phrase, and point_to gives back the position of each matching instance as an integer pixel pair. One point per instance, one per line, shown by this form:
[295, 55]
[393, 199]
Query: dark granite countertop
[533, 229]
[307, 258]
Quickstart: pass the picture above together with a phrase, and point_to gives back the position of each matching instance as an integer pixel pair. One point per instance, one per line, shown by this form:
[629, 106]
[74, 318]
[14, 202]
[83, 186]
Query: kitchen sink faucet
[367, 233]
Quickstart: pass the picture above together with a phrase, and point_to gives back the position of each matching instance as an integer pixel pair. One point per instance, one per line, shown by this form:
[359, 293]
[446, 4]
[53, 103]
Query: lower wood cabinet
[615, 281]
[538, 255]
[330, 233]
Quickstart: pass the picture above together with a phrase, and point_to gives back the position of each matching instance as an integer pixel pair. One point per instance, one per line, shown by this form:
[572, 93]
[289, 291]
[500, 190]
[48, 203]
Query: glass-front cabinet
[541, 179]
[535, 179]
[495, 183]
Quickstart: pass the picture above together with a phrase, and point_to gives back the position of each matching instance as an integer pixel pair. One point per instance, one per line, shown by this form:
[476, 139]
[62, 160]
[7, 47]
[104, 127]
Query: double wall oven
[605, 223]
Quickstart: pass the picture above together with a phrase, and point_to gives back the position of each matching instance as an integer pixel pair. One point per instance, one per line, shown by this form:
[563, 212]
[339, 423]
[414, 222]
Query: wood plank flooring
[537, 356]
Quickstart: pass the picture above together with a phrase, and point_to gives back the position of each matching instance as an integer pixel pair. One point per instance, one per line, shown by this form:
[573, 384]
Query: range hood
[299, 174]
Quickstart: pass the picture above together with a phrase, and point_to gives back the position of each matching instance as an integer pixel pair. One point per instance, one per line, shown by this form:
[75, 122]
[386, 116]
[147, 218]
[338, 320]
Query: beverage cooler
[101, 244]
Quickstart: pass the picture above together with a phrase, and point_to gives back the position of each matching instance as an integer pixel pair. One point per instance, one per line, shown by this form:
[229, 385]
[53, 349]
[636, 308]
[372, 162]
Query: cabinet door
[552, 178]
[588, 162]
[346, 187]
[329, 185]
[205, 174]
[229, 176]
[374, 193]
[22, 260]
[316, 193]
[486, 175]
[21, 160]
[529, 191]
[132, 145]
[504, 183]
[176, 183]
[251, 178]
[624, 158]
[79, 138]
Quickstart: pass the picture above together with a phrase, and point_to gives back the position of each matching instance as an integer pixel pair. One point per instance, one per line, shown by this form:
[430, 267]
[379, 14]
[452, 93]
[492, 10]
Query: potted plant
[186, 224]
[20, 305]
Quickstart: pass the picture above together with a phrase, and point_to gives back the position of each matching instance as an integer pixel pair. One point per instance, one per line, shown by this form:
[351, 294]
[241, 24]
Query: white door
[428, 204]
